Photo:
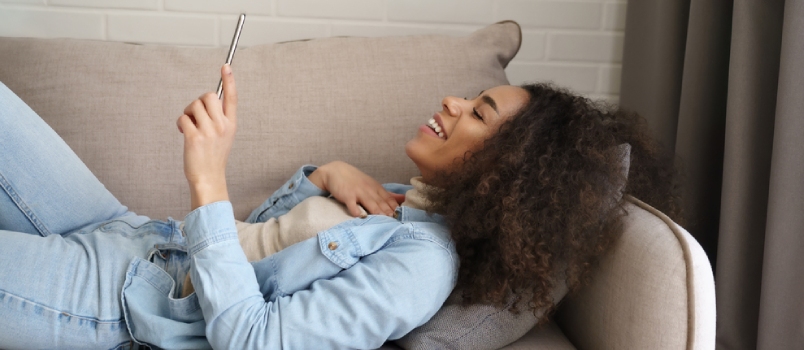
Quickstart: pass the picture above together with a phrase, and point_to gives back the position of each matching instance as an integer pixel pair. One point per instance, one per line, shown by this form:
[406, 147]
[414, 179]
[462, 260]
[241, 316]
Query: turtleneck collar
[415, 197]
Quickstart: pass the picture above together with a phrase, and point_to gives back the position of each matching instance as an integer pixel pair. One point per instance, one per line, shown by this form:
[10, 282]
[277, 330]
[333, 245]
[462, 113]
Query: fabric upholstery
[353, 99]
[655, 290]
[547, 337]
[478, 326]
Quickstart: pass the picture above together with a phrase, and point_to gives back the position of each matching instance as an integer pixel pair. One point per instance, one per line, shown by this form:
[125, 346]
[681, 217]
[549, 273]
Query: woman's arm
[355, 188]
[293, 192]
[346, 183]
[304, 299]
[209, 127]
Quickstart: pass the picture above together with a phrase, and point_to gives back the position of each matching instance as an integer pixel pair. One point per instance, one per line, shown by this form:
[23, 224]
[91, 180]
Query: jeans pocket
[153, 316]
[174, 260]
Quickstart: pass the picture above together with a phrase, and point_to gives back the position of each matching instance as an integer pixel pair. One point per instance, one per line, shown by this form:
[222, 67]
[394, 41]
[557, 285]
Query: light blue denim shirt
[355, 285]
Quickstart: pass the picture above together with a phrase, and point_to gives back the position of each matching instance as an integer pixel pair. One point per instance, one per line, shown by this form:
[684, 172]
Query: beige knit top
[304, 221]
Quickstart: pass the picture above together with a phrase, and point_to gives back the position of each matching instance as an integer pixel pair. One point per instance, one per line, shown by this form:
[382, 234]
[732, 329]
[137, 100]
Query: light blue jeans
[62, 263]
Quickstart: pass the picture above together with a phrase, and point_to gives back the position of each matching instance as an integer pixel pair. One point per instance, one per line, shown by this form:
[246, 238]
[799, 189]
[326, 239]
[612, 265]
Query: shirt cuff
[304, 187]
[296, 189]
[209, 224]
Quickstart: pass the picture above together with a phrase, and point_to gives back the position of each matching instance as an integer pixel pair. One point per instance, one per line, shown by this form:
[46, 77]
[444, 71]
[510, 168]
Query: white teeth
[435, 127]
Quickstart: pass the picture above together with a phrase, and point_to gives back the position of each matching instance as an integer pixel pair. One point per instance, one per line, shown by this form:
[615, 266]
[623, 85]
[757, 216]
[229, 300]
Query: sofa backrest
[654, 290]
[353, 99]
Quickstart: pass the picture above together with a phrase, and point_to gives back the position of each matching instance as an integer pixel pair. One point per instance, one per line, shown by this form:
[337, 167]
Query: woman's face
[461, 126]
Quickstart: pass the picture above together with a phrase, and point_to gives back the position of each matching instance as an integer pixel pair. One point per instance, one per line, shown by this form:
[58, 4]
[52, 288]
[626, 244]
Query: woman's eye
[477, 115]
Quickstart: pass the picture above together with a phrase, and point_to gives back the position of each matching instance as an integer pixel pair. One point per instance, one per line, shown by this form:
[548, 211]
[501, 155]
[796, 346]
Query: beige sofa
[354, 99]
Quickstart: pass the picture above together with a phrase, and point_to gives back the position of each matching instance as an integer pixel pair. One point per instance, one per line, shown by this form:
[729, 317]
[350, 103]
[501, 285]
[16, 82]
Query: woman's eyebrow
[490, 101]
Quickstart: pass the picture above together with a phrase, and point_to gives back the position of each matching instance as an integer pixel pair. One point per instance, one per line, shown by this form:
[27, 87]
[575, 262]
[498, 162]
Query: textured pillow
[353, 99]
[477, 326]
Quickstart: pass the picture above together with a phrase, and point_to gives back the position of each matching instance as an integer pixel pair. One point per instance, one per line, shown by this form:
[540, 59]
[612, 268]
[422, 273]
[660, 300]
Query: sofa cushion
[353, 99]
[477, 326]
[547, 337]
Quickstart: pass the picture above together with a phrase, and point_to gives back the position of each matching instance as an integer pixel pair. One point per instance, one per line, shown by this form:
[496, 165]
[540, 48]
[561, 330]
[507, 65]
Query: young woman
[522, 182]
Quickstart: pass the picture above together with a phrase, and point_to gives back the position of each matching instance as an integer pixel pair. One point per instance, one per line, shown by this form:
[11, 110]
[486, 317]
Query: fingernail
[227, 69]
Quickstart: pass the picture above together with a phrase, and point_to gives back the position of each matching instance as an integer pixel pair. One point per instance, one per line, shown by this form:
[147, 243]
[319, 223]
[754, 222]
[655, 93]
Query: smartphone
[232, 48]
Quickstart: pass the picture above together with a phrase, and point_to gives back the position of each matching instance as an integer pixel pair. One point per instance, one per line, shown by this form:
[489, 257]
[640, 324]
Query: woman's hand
[351, 187]
[209, 128]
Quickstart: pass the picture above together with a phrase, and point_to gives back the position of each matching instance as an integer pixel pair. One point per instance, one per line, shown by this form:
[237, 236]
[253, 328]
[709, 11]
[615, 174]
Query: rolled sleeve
[295, 190]
[209, 224]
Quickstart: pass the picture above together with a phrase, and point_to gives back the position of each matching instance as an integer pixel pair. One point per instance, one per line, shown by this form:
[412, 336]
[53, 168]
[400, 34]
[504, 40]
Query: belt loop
[151, 253]
[171, 246]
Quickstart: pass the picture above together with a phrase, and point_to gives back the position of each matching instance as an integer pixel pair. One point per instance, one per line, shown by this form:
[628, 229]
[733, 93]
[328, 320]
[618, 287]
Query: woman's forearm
[209, 127]
[205, 193]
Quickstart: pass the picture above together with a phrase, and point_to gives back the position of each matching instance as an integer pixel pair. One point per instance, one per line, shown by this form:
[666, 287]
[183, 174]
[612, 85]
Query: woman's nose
[452, 106]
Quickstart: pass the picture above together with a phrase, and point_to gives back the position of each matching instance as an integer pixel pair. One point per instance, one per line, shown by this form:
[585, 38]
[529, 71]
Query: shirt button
[290, 187]
[396, 215]
[332, 245]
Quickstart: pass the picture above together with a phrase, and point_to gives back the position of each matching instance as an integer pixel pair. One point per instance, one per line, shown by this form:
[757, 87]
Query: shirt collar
[408, 214]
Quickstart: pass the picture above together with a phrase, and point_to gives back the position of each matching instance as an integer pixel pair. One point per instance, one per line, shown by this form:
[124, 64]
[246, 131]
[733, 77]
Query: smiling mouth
[434, 125]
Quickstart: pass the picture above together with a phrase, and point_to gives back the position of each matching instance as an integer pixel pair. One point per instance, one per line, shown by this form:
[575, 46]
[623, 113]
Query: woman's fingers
[229, 92]
[353, 208]
[385, 207]
[398, 198]
[390, 200]
[354, 188]
[379, 203]
[197, 113]
[185, 125]
[212, 106]
[373, 208]
[208, 136]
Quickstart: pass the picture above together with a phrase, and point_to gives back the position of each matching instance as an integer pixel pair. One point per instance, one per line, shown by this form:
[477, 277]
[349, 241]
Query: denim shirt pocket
[346, 243]
[156, 319]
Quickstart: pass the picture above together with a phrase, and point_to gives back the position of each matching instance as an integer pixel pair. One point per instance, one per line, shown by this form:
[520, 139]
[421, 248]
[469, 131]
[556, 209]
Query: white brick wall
[575, 43]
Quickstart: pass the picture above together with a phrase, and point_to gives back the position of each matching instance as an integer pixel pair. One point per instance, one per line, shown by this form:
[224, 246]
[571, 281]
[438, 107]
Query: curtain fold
[655, 57]
[702, 116]
[781, 316]
[753, 79]
[722, 84]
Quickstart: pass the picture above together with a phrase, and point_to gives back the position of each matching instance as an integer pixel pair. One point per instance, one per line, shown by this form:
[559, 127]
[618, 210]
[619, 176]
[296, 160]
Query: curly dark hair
[541, 201]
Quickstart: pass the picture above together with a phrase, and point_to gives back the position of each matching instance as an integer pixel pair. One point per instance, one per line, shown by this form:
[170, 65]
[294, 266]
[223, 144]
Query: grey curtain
[722, 84]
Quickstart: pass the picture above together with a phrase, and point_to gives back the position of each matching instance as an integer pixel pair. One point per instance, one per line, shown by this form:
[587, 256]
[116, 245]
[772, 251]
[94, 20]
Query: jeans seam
[23, 207]
[51, 309]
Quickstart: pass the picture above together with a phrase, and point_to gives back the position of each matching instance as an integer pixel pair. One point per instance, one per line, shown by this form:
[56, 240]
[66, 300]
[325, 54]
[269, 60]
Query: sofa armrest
[654, 290]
